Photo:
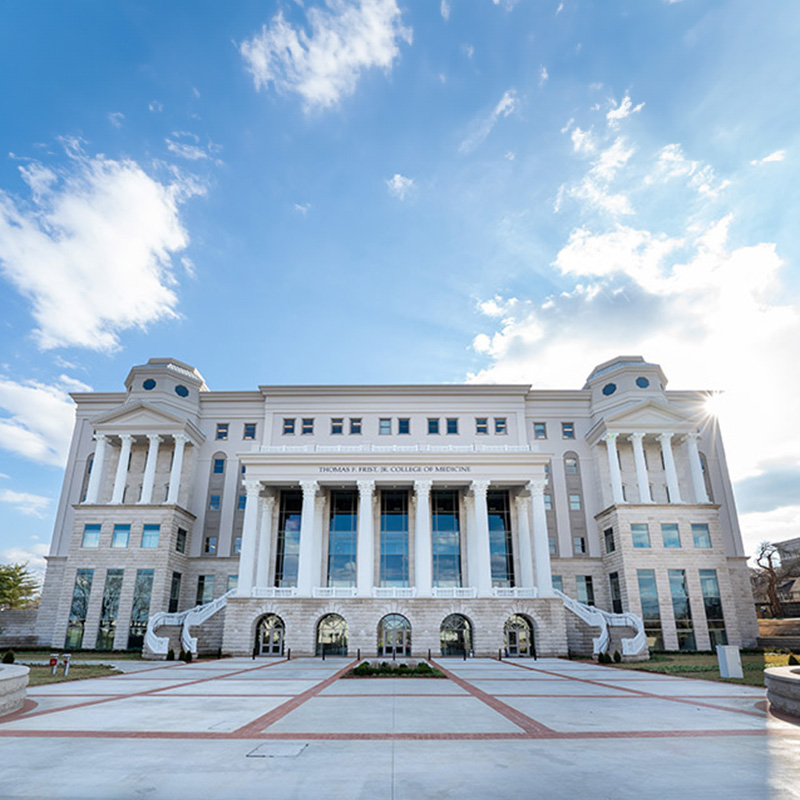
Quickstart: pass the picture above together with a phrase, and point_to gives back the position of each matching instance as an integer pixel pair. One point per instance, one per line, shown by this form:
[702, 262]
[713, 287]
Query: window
[121, 536]
[288, 544]
[712, 603]
[242, 504]
[342, 535]
[213, 502]
[567, 430]
[337, 426]
[681, 608]
[233, 582]
[243, 469]
[384, 426]
[575, 502]
[174, 592]
[700, 534]
[237, 545]
[651, 613]
[616, 594]
[500, 426]
[222, 430]
[150, 535]
[571, 466]
[140, 612]
[79, 608]
[210, 545]
[308, 426]
[608, 537]
[640, 534]
[670, 535]
[548, 502]
[219, 466]
[446, 537]
[585, 589]
[180, 543]
[452, 425]
[91, 536]
[249, 430]
[394, 538]
[500, 545]
[355, 425]
[578, 545]
[205, 589]
[539, 430]
[558, 582]
[404, 426]
[551, 544]
[288, 426]
[433, 425]
[481, 426]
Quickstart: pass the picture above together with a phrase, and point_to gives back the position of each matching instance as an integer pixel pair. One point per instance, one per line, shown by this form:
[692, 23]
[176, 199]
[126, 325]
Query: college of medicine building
[396, 520]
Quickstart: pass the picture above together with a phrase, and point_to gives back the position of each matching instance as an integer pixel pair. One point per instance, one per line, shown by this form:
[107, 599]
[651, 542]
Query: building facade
[394, 520]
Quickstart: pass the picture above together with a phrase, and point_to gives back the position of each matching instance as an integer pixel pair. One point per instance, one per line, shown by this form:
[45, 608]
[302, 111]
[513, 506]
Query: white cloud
[624, 109]
[612, 159]
[559, 9]
[93, 251]
[196, 92]
[510, 155]
[468, 49]
[672, 163]
[568, 125]
[444, 8]
[155, 106]
[34, 505]
[301, 208]
[599, 197]
[582, 141]
[38, 418]
[324, 65]
[543, 76]
[192, 150]
[33, 557]
[116, 118]
[769, 526]
[508, 104]
[400, 186]
[778, 155]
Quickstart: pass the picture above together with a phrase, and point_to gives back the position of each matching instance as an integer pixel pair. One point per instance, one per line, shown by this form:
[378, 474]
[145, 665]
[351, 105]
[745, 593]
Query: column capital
[637, 435]
[665, 438]
[309, 487]
[522, 501]
[180, 437]
[126, 437]
[252, 487]
[610, 437]
[154, 438]
[693, 435]
[100, 437]
[480, 487]
[365, 487]
[423, 487]
[268, 502]
[537, 487]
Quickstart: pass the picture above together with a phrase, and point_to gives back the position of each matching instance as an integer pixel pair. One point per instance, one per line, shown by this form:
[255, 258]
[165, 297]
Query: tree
[18, 588]
[772, 570]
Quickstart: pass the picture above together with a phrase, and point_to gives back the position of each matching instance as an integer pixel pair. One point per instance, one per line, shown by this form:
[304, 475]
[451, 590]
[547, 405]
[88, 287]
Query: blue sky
[372, 191]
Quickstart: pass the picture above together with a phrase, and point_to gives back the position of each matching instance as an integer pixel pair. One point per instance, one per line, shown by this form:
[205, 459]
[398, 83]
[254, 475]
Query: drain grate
[278, 750]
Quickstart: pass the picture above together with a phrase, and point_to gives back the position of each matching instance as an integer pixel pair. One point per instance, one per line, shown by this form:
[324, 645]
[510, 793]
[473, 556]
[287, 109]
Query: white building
[394, 520]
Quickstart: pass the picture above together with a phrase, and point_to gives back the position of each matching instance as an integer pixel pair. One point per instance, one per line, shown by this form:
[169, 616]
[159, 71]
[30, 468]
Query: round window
[642, 383]
[149, 385]
[609, 389]
[181, 390]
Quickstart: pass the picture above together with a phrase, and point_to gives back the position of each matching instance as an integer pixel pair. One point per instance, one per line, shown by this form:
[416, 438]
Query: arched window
[394, 636]
[332, 636]
[269, 635]
[518, 637]
[455, 636]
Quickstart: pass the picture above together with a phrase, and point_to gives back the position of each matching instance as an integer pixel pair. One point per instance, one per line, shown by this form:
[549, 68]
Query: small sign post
[53, 663]
[730, 662]
[65, 661]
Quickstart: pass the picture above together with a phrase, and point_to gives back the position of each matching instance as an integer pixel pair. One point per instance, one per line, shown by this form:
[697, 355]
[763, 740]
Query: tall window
[567, 430]
[288, 426]
[175, 592]
[446, 538]
[142, 592]
[77, 611]
[219, 466]
[500, 426]
[700, 534]
[307, 427]
[205, 589]
[288, 546]
[713, 607]
[403, 426]
[342, 538]
[640, 534]
[385, 426]
[481, 425]
[91, 536]
[682, 609]
[337, 426]
[355, 425]
[500, 548]
[121, 536]
[539, 430]
[222, 430]
[616, 594]
[249, 430]
[670, 535]
[558, 582]
[394, 538]
[180, 542]
[433, 425]
[608, 537]
[150, 534]
[571, 466]
[452, 425]
[651, 613]
[585, 589]
[210, 545]
[109, 610]
[575, 502]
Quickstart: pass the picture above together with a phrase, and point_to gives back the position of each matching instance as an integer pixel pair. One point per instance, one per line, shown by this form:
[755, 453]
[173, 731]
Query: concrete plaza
[549, 728]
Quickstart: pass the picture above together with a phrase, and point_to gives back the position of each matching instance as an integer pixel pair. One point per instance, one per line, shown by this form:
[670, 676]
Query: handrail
[279, 449]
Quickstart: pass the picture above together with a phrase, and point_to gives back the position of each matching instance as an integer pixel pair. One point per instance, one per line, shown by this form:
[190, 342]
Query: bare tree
[772, 571]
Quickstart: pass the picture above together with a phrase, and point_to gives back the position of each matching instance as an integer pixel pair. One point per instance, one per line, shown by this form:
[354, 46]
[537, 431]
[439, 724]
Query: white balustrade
[334, 591]
[455, 592]
[394, 592]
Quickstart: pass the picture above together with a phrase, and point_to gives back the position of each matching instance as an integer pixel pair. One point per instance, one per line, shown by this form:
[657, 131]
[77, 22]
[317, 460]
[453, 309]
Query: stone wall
[18, 627]
[13, 683]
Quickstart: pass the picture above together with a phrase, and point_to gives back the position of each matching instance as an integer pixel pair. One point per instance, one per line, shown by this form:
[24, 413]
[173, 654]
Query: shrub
[8, 658]
[363, 669]
[185, 656]
[424, 666]
[403, 668]
[617, 656]
[170, 655]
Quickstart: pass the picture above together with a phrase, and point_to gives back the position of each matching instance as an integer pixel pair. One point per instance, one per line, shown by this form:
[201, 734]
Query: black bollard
[499, 655]
[465, 654]
[358, 654]
[323, 652]
[289, 654]
[429, 654]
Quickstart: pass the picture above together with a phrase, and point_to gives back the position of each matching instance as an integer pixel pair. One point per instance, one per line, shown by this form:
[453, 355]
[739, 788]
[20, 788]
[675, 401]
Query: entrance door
[394, 636]
[518, 637]
[270, 636]
[512, 643]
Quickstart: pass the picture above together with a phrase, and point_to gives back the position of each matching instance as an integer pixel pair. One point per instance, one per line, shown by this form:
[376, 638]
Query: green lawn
[78, 655]
[704, 665]
[40, 674]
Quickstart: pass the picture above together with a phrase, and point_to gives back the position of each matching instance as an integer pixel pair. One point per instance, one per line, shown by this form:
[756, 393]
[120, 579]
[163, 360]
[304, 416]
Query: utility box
[730, 662]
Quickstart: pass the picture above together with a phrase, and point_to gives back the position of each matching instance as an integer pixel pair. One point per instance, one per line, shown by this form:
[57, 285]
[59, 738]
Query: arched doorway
[455, 636]
[394, 636]
[332, 636]
[269, 635]
[518, 637]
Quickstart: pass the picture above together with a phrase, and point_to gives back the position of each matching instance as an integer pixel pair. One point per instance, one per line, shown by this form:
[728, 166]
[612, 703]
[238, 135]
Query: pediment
[140, 417]
[650, 416]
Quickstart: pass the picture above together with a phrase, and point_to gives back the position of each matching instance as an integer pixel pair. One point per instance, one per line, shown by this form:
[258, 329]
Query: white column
[305, 568]
[122, 468]
[669, 468]
[696, 468]
[524, 535]
[423, 555]
[365, 559]
[177, 465]
[316, 544]
[96, 476]
[541, 545]
[247, 556]
[471, 576]
[641, 468]
[150, 469]
[613, 468]
[484, 565]
[264, 541]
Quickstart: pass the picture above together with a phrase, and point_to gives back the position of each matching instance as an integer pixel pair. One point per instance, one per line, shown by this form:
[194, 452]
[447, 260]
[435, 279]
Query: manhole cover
[278, 750]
